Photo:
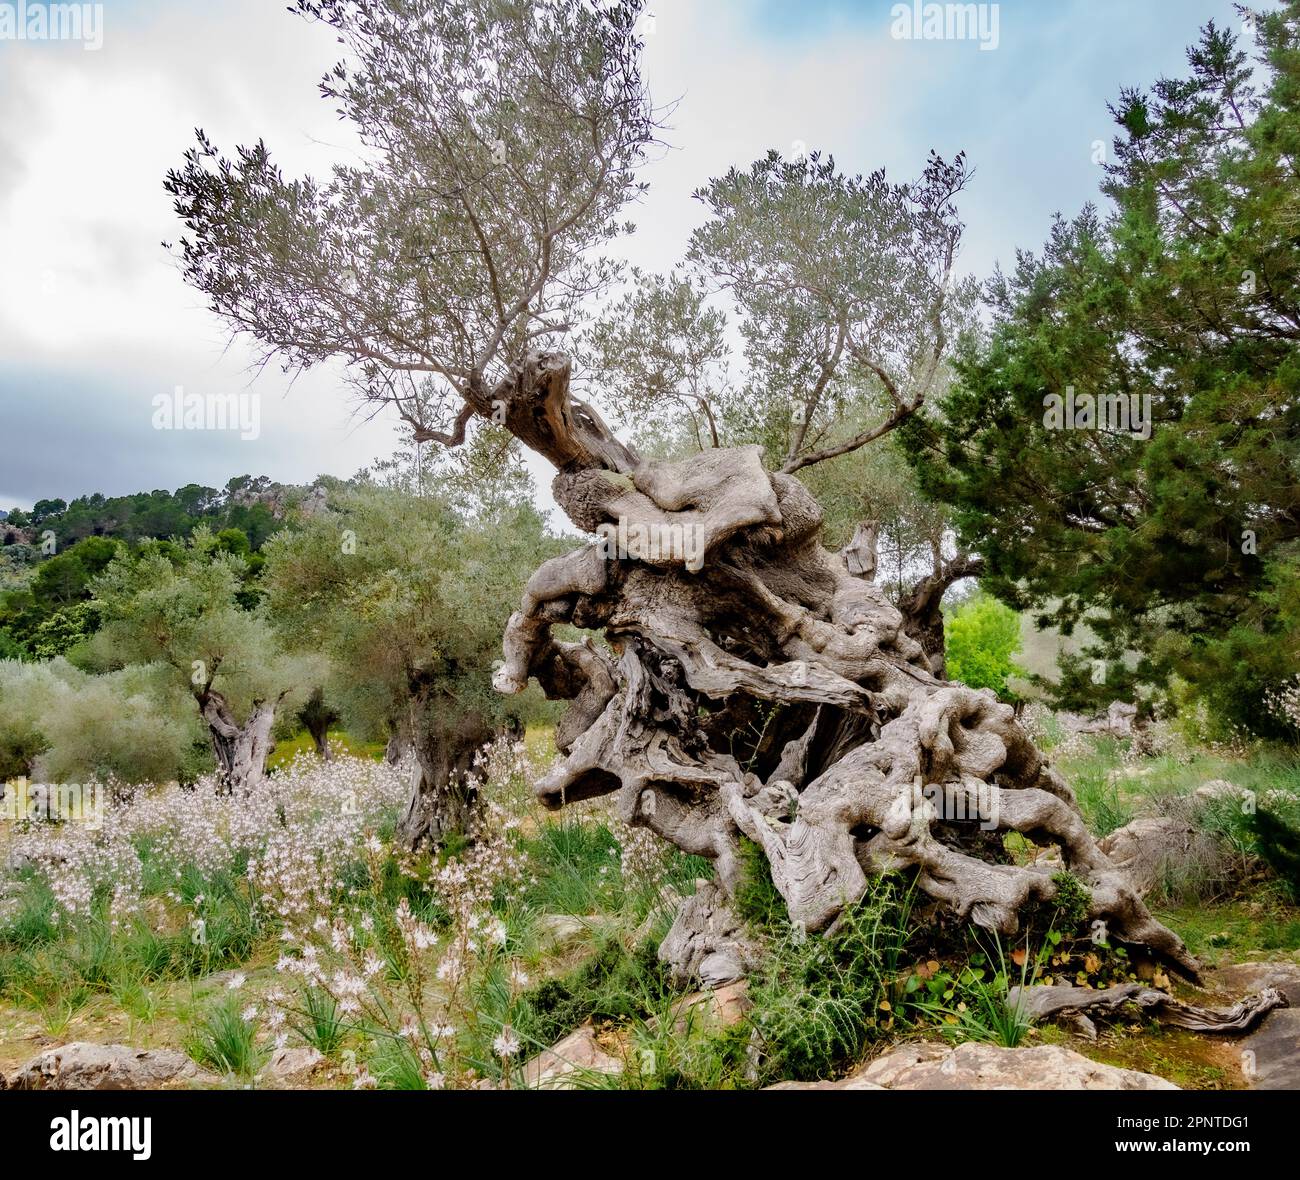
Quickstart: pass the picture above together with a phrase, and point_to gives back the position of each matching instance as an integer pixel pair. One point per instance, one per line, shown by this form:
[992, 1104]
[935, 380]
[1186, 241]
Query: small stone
[286, 1062]
[1146, 848]
[1216, 789]
[722, 1007]
[555, 1068]
[83, 1065]
[558, 931]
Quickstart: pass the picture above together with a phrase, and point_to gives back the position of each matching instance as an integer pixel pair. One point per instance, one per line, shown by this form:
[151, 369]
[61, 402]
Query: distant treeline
[246, 503]
[49, 556]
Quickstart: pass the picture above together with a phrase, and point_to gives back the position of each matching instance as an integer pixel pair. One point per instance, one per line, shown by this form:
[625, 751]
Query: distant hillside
[256, 505]
[50, 555]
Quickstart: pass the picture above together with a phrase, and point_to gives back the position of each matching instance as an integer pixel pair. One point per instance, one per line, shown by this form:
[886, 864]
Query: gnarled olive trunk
[317, 717]
[240, 749]
[921, 605]
[754, 685]
[444, 790]
[922, 613]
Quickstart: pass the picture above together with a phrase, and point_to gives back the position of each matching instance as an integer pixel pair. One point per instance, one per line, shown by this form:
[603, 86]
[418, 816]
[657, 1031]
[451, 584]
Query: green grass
[287, 749]
[1105, 807]
[47, 965]
[819, 1000]
[581, 870]
[319, 1021]
[224, 1041]
[1235, 931]
[976, 1004]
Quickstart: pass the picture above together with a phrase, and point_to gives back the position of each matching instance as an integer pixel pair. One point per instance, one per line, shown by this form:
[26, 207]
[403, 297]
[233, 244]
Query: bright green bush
[981, 636]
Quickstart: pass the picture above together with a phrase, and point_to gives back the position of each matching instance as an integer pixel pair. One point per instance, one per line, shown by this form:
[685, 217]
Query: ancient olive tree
[181, 608]
[407, 598]
[751, 685]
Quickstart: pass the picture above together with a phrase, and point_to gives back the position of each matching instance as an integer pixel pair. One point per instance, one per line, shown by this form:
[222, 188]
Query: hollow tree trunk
[444, 787]
[867, 763]
[240, 750]
[922, 613]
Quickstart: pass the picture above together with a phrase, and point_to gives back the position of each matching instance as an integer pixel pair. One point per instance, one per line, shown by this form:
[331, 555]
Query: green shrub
[818, 1000]
[757, 899]
[225, 1041]
[980, 637]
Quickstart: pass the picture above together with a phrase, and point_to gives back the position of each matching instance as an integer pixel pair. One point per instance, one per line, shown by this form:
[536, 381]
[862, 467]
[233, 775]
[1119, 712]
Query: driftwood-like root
[1062, 1002]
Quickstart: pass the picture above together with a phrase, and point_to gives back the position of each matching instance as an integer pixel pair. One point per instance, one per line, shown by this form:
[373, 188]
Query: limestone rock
[929, 1066]
[558, 931]
[287, 1062]
[1239, 978]
[1147, 847]
[83, 1065]
[1217, 789]
[721, 1007]
[561, 1066]
[1270, 1056]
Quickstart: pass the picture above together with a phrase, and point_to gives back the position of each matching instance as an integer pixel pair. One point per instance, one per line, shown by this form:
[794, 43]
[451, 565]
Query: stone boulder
[1270, 1056]
[289, 1062]
[722, 1007]
[562, 1065]
[1218, 789]
[1240, 978]
[926, 1065]
[1149, 846]
[83, 1065]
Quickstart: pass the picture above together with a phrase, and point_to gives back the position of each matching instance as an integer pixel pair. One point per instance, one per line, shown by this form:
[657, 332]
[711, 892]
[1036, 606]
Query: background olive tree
[407, 597]
[180, 606]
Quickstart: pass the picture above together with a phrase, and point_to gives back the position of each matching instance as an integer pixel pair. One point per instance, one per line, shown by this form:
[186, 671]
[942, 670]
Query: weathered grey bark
[444, 789]
[240, 749]
[395, 749]
[1058, 1001]
[921, 608]
[855, 725]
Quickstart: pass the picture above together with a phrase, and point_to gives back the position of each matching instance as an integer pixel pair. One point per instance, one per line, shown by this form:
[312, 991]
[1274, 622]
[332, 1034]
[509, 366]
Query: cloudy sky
[95, 322]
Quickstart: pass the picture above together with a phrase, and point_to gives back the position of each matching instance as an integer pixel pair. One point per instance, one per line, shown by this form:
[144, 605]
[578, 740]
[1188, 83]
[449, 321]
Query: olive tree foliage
[501, 140]
[662, 356]
[847, 298]
[181, 609]
[59, 723]
[408, 599]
